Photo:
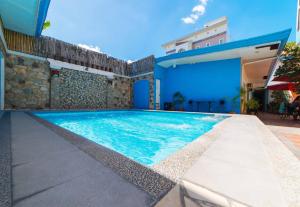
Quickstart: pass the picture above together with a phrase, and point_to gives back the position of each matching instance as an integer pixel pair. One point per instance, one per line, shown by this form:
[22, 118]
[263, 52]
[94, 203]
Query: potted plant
[252, 106]
[178, 101]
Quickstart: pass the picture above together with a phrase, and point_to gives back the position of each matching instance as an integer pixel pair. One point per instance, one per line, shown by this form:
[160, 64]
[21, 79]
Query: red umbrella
[283, 87]
[282, 79]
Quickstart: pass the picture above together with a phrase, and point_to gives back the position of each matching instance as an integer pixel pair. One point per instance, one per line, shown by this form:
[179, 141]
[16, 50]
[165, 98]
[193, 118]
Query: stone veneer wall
[79, 90]
[26, 83]
[119, 93]
[29, 85]
[82, 90]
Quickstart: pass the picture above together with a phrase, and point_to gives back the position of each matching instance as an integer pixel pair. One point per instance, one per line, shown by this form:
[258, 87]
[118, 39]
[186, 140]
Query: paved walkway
[287, 130]
[246, 166]
[49, 171]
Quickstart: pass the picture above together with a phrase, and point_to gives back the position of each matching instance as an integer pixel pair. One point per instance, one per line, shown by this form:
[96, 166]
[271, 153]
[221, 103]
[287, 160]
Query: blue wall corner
[208, 81]
[141, 94]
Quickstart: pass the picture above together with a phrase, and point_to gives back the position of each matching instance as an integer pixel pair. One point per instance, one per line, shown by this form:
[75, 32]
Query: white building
[213, 33]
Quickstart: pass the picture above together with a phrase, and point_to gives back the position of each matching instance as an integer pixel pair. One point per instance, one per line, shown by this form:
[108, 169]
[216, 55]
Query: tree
[290, 67]
[46, 25]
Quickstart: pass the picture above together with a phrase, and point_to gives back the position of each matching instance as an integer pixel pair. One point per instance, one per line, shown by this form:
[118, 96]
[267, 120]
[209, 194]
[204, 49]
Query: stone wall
[74, 89]
[142, 66]
[29, 85]
[26, 83]
[79, 90]
[119, 93]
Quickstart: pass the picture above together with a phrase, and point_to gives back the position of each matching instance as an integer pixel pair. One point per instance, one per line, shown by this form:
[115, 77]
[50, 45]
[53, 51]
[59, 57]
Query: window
[221, 41]
[207, 44]
[181, 50]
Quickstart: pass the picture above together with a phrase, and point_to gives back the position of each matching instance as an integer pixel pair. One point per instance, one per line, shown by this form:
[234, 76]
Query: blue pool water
[146, 137]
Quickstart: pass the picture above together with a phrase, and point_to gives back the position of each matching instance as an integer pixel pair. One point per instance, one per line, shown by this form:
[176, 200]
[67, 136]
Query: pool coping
[157, 180]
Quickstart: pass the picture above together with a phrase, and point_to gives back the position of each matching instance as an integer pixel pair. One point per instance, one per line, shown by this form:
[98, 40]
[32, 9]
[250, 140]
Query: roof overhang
[26, 17]
[248, 50]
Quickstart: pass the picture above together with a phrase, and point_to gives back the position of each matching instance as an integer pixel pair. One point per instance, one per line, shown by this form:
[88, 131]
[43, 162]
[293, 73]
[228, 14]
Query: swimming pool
[144, 136]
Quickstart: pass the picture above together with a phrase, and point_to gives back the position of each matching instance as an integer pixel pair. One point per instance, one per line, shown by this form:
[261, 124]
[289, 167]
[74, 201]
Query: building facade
[211, 79]
[213, 33]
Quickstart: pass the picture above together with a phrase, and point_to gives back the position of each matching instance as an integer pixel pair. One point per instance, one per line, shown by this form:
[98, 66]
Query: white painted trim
[26, 55]
[56, 64]
[157, 93]
[136, 76]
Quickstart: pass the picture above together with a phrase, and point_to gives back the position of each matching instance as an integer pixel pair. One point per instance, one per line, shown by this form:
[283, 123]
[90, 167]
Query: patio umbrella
[282, 79]
[283, 87]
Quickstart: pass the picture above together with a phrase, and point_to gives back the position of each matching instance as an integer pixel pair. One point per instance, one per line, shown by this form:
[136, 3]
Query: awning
[22, 16]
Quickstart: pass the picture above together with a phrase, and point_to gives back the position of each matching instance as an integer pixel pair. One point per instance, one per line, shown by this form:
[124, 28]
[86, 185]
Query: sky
[133, 29]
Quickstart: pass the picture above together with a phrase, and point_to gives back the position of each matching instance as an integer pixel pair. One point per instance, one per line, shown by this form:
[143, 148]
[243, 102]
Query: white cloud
[197, 11]
[188, 20]
[130, 61]
[90, 47]
[204, 2]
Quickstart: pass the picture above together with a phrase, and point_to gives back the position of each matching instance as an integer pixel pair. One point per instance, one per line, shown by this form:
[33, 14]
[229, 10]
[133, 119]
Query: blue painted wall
[141, 94]
[208, 81]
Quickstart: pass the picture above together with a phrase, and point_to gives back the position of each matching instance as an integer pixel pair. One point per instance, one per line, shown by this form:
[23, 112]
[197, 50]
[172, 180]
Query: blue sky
[133, 29]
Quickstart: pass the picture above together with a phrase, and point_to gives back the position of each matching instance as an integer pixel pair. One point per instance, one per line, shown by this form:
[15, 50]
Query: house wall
[209, 81]
[214, 40]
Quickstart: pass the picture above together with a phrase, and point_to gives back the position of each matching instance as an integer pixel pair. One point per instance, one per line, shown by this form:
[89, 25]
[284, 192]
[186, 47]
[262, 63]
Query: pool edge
[156, 180]
[142, 176]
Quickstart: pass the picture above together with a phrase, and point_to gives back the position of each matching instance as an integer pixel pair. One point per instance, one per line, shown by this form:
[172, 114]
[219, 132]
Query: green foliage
[178, 99]
[278, 96]
[236, 100]
[290, 67]
[253, 105]
[46, 25]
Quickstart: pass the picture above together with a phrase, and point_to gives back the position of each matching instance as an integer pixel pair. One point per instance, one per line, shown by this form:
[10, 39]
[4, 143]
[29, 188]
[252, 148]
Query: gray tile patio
[49, 171]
